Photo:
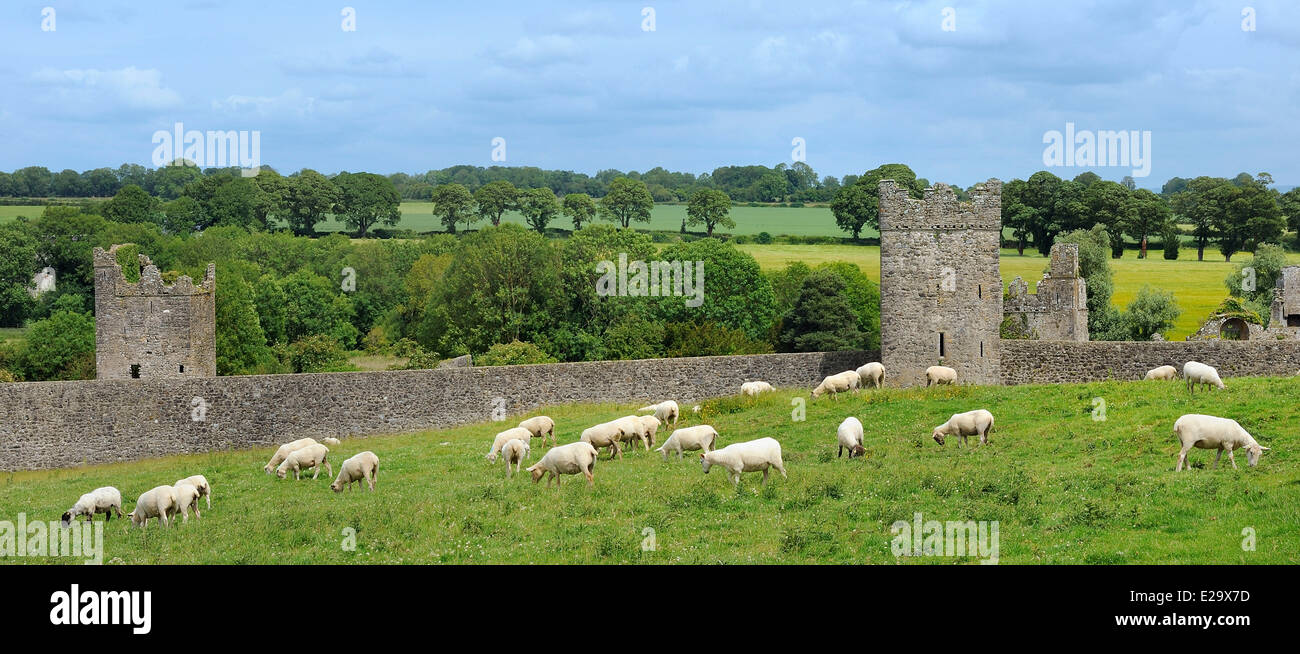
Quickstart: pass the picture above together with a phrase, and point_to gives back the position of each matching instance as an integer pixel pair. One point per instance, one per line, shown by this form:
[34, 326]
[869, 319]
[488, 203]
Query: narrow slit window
[942, 346]
[980, 289]
[135, 371]
[981, 350]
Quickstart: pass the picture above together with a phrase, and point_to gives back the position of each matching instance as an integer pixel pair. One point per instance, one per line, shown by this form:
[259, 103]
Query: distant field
[9, 213]
[12, 333]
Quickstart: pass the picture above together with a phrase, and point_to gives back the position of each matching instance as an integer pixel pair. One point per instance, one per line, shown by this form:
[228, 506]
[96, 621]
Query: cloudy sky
[586, 85]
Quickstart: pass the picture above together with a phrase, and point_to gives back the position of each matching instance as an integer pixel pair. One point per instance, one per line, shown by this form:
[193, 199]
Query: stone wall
[1058, 310]
[1053, 362]
[60, 424]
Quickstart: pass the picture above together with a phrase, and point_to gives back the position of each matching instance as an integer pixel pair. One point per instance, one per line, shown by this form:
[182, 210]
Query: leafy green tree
[1201, 202]
[309, 196]
[863, 296]
[1108, 204]
[183, 215]
[272, 198]
[17, 263]
[1094, 267]
[1255, 280]
[734, 292]
[710, 207]
[855, 208]
[1150, 215]
[1252, 215]
[626, 200]
[366, 200]
[513, 353]
[709, 339]
[821, 319]
[1172, 238]
[580, 208]
[58, 348]
[1152, 312]
[132, 205]
[493, 199]
[1289, 204]
[452, 203]
[314, 305]
[634, 337]
[241, 343]
[318, 353]
[539, 207]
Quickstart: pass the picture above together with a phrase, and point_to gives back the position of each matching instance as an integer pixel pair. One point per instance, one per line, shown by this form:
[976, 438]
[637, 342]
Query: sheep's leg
[1217, 455]
[841, 453]
[780, 467]
[1231, 459]
[765, 471]
[1182, 457]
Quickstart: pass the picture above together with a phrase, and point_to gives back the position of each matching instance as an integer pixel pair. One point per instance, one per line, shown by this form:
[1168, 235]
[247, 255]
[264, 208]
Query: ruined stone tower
[1058, 311]
[151, 330]
[940, 288]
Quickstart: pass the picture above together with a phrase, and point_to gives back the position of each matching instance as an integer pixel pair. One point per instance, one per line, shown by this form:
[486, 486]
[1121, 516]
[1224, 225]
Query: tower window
[135, 371]
[943, 350]
[183, 367]
[981, 349]
[980, 289]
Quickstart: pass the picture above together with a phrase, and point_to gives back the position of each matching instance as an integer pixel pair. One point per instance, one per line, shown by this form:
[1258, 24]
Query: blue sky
[582, 86]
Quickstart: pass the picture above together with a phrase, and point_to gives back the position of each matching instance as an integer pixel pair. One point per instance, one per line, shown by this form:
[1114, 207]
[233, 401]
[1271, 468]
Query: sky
[960, 91]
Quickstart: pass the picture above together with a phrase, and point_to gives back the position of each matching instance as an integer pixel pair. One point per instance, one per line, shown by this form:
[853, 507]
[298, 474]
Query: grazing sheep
[568, 459]
[696, 408]
[332, 442]
[966, 424]
[106, 500]
[200, 482]
[939, 375]
[699, 437]
[633, 429]
[505, 437]
[606, 434]
[849, 435]
[284, 452]
[1197, 373]
[1163, 372]
[540, 427]
[158, 502]
[514, 452]
[873, 373]
[187, 497]
[836, 384]
[1211, 433]
[755, 387]
[358, 467]
[750, 456]
[312, 456]
[664, 411]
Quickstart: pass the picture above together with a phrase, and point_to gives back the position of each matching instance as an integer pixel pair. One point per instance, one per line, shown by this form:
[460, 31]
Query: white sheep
[750, 456]
[540, 427]
[873, 373]
[837, 383]
[363, 466]
[631, 430]
[606, 434]
[1212, 433]
[331, 441]
[978, 422]
[568, 459]
[849, 435]
[1197, 373]
[505, 437]
[284, 452]
[664, 411]
[755, 387]
[106, 500]
[200, 482]
[1163, 372]
[699, 437]
[514, 452]
[158, 502]
[312, 456]
[650, 424]
[187, 497]
[939, 375]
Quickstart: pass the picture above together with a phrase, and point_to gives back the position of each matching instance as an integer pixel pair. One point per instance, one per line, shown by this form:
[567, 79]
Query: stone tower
[1058, 311]
[940, 288]
[150, 330]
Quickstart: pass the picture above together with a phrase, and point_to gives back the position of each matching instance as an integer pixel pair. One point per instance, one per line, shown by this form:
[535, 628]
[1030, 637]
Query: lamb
[755, 387]
[514, 452]
[750, 456]
[359, 467]
[540, 427]
[158, 502]
[187, 497]
[1197, 373]
[849, 435]
[332, 442]
[1163, 372]
[106, 500]
[939, 375]
[966, 424]
[606, 434]
[506, 436]
[566, 460]
[699, 437]
[201, 483]
[873, 373]
[284, 452]
[312, 456]
[838, 383]
[1211, 433]
[664, 411]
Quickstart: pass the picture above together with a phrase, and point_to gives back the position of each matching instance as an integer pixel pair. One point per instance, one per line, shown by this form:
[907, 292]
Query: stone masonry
[1058, 311]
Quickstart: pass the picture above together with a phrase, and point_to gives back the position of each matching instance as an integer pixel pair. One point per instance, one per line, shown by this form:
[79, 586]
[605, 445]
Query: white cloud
[291, 103]
[129, 88]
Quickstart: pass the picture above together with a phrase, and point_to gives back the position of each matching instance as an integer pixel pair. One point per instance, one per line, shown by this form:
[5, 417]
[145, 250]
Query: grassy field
[8, 213]
[1064, 488]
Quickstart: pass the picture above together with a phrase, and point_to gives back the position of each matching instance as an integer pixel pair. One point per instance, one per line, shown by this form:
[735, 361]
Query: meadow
[1064, 486]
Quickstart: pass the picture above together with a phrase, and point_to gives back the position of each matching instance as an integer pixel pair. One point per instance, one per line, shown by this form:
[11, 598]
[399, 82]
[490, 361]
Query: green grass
[1063, 487]
[8, 213]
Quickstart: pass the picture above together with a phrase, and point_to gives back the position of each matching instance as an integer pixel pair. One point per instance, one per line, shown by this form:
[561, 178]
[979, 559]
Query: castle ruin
[1058, 311]
[152, 330]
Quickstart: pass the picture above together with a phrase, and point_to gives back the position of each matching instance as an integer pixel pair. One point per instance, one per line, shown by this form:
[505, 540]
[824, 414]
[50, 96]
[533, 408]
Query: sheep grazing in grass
[1163, 372]
[158, 502]
[505, 437]
[849, 435]
[312, 456]
[200, 482]
[978, 422]
[632, 429]
[514, 452]
[606, 434]
[331, 442]
[940, 375]
[359, 467]
[106, 500]
[568, 459]
[649, 429]
[1212, 433]
[664, 411]
[836, 384]
[284, 452]
[187, 497]
[1197, 373]
[540, 427]
[753, 388]
[699, 437]
[750, 456]
[872, 374]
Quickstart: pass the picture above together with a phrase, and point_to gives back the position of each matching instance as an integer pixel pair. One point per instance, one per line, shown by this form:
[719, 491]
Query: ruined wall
[1055, 362]
[59, 424]
[940, 289]
[1058, 310]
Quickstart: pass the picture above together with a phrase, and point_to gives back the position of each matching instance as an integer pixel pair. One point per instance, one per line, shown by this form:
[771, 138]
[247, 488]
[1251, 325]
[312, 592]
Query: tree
[308, 197]
[271, 201]
[1108, 204]
[17, 263]
[710, 207]
[59, 348]
[580, 208]
[539, 207]
[365, 200]
[821, 319]
[241, 343]
[1289, 204]
[733, 292]
[131, 205]
[1020, 217]
[855, 208]
[1094, 267]
[452, 203]
[1252, 215]
[1255, 280]
[1152, 312]
[625, 201]
[513, 353]
[494, 199]
[1150, 215]
[1201, 202]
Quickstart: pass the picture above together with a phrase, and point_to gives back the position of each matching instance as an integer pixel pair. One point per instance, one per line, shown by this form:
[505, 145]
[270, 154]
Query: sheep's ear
[1264, 449]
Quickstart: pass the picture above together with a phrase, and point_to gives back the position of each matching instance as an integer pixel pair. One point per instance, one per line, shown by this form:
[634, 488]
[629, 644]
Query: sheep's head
[67, 518]
[1218, 383]
[704, 463]
[267, 468]
[280, 472]
[337, 486]
[1253, 453]
[537, 473]
[937, 435]
[857, 450]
